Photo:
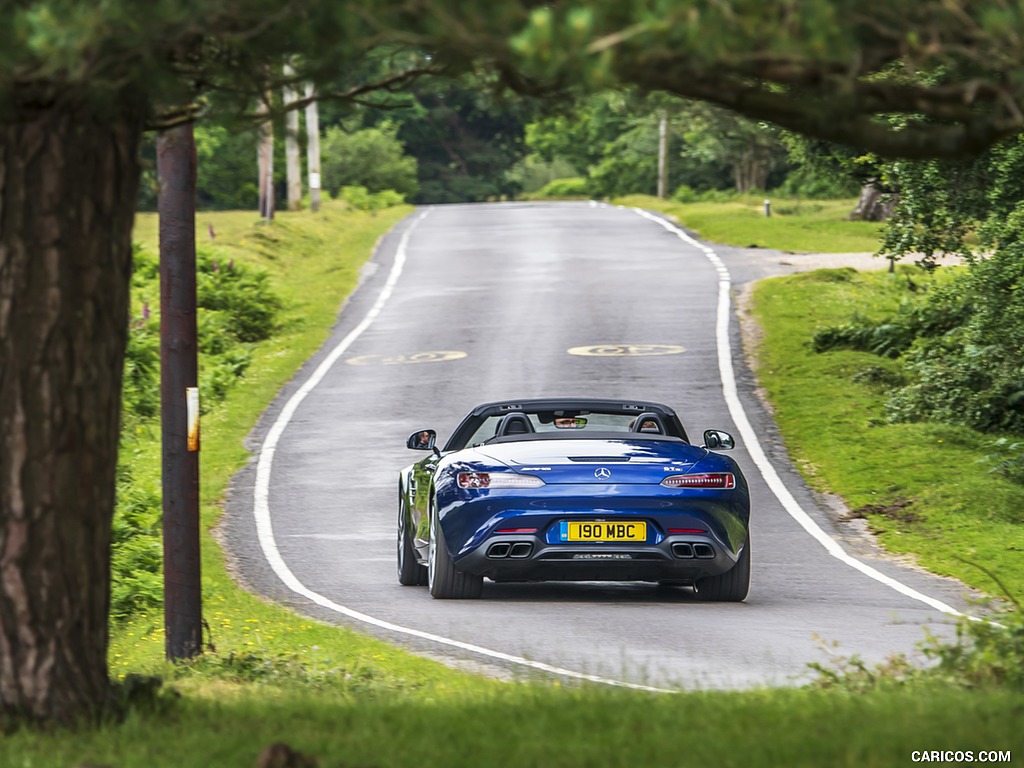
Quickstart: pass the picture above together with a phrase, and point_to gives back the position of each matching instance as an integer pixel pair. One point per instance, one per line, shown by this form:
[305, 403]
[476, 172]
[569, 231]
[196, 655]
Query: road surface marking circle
[626, 350]
[441, 356]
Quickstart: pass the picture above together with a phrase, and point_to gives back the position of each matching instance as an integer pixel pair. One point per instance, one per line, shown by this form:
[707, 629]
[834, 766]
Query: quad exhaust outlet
[687, 551]
[516, 549]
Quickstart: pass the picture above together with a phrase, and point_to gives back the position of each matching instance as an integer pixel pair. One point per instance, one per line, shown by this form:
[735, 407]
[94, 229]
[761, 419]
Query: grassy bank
[314, 262]
[348, 700]
[925, 488]
[810, 226]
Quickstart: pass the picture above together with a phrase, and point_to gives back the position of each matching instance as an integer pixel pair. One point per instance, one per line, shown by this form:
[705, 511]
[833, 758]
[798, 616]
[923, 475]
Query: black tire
[410, 572]
[447, 582]
[731, 586]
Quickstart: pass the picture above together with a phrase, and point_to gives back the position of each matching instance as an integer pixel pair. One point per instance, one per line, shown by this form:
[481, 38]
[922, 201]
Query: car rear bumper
[529, 558]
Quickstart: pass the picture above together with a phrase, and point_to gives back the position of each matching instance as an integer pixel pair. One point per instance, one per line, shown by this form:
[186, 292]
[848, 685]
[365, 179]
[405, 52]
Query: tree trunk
[265, 157]
[68, 180]
[313, 150]
[293, 161]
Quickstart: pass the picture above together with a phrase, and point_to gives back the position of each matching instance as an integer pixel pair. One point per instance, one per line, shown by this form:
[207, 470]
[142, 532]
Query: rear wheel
[410, 572]
[444, 579]
[731, 586]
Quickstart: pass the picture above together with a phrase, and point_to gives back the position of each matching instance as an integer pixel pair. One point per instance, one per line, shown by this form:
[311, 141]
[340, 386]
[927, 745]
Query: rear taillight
[498, 480]
[723, 480]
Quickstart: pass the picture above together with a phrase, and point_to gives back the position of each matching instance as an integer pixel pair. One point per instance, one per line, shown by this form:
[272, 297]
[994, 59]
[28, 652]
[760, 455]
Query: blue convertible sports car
[575, 490]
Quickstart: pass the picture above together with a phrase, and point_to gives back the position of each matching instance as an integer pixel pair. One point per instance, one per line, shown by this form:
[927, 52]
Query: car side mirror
[717, 440]
[422, 440]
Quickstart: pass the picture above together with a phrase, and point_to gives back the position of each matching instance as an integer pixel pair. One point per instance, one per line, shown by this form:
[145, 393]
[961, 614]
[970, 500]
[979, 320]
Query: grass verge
[808, 226]
[314, 262]
[536, 726]
[924, 488]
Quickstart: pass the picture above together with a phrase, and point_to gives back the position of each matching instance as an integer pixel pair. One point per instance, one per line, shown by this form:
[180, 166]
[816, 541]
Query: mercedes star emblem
[602, 473]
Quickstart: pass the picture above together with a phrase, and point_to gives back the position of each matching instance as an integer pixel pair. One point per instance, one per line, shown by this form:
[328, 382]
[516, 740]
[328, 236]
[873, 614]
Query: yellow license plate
[604, 531]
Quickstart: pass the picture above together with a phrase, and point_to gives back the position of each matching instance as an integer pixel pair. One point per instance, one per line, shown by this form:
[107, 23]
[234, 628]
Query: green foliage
[562, 188]
[806, 183]
[136, 551]
[465, 138]
[685, 194]
[141, 392]
[220, 372]
[985, 654]
[363, 200]
[237, 308]
[629, 162]
[613, 137]
[961, 345]
[580, 135]
[372, 158]
[533, 172]
[243, 294]
[824, 170]
[1007, 458]
[226, 170]
[750, 150]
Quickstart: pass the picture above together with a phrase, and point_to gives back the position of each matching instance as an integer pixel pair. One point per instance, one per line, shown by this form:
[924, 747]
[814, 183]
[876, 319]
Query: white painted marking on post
[264, 524]
[753, 445]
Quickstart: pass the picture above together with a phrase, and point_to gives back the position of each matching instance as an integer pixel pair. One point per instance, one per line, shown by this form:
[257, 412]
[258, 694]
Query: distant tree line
[447, 141]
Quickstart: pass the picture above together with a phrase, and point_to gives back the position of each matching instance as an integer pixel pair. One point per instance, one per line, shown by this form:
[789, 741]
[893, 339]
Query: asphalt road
[489, 302]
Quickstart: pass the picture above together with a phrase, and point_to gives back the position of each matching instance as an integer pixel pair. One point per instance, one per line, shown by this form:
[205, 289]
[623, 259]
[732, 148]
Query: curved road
[485, 304]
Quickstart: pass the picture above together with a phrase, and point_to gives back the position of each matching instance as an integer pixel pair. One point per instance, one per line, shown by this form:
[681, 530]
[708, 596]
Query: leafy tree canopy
[826, 68]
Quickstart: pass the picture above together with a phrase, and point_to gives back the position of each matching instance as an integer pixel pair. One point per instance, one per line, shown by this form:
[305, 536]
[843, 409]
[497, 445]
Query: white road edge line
[265, 529]
[753, 445]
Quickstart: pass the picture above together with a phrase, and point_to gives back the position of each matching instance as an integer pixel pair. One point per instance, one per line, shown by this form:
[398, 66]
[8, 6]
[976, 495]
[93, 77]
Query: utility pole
[179, 393]
[293, 164]
[313, 148]
[265, 154]
[662, 154]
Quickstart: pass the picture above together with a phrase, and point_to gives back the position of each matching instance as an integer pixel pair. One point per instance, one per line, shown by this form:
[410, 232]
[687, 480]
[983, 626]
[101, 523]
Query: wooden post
[176, 165]
[662, 154]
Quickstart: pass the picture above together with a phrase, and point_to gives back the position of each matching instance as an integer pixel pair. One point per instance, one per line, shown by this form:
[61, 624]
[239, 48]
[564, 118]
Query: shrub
[217, 374]
[136, 551]
[572, 187]
[985, 654]
[961, 346]
[363, 200]
[1007, 456]
[685, 194]
[717, 196]
[141, 392]
[243, 294]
